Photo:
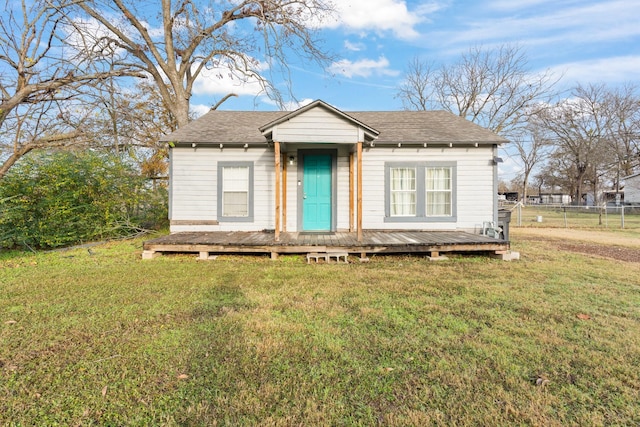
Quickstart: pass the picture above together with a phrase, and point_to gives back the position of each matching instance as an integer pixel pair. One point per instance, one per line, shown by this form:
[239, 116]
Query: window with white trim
[420, 192]
[235, 191]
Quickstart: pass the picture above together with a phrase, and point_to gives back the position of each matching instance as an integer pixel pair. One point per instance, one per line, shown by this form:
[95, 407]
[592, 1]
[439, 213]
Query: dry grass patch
[627, 238]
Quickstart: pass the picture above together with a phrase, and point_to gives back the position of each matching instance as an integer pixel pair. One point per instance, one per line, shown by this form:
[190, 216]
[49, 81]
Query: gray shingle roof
[240, 127]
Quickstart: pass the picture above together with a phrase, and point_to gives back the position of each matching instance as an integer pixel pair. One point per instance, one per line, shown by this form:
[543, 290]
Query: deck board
[372, 242]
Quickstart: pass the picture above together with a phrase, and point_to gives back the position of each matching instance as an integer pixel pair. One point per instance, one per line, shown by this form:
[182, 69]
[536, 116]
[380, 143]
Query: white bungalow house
[322, 170]
[632, 189]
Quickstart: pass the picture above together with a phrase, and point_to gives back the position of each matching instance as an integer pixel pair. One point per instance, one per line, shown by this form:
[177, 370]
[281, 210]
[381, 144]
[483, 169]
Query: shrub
[62, 198]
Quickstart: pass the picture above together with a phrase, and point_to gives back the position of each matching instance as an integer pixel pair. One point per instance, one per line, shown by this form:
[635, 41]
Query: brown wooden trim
[194, 222]
[359, 220]
[284, 192]
[276, 146]
[351, 191]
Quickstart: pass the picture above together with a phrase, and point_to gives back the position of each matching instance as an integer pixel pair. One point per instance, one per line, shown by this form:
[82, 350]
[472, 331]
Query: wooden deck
[373, 242]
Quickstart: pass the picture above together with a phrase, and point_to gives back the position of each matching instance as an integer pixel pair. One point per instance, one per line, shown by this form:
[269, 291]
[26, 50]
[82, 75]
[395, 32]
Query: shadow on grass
[252, 364]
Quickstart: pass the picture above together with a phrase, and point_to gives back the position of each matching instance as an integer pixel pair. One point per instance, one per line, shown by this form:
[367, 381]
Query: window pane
[235, 191]
[438, 204]
[438, 179]
[403, 179]
[403, 203]
[235, 178]
[235, 204]
[403, 191]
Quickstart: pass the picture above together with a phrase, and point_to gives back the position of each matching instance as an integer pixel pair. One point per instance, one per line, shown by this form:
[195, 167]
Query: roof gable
[328, 123]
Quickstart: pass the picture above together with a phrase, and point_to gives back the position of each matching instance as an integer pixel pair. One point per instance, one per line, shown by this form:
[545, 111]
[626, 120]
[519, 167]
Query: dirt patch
[596, 243]
[619, 253]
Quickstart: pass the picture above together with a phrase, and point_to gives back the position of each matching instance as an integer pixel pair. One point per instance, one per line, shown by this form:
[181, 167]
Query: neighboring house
[319, 169]
[632, 189]
[551, 199]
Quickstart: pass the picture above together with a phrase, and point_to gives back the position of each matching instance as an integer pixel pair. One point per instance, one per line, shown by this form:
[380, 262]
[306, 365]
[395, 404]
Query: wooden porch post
[359, 220]
[276, 146]
[284, 192]
[351, 192]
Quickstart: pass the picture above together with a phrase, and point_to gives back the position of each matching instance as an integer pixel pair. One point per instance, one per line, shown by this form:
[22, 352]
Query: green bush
[62, 198]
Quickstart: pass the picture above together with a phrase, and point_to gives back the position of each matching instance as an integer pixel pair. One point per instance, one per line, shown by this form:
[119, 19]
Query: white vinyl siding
[194, 187]
[195, 194]
[473, 187]
[316, 126]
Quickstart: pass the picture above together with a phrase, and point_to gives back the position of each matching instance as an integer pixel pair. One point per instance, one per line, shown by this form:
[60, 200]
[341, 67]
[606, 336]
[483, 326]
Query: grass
[577, 217]
[108, 339]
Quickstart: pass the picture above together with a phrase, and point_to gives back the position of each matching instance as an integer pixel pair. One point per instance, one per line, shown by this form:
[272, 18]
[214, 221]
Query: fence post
[622, 217]
[564, 208]
[519, 214]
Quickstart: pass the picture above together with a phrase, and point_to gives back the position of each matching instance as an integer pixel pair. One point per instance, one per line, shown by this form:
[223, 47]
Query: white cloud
[199, 110]
[363, 68]
[612, 70]
[553, 24]
[354, 47]
[382, 16]
[510, 5]
[223, 80]
[88, 34]
[294, 105]
[154, 32]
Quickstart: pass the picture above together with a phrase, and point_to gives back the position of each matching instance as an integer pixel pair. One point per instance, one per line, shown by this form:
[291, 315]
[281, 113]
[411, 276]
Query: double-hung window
[438, 188]
[403, 191]
[235, 191]
[420, 191]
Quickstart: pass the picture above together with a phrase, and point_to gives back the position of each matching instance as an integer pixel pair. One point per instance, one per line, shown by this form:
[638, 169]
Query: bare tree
[579, 128]
[417, 89]
[533, 149]
[492, 87]
[38, 79]
[557, 174]
[193, 35]
[623, 128]
[34, 126]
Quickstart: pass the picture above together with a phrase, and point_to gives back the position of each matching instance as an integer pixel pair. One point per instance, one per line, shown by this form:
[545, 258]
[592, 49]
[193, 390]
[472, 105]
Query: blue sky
[585, 41]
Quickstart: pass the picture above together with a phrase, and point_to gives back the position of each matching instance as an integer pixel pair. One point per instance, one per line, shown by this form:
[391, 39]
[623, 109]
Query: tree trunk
[13, 158]
[181, 110]
[525, 183]
[178, 102]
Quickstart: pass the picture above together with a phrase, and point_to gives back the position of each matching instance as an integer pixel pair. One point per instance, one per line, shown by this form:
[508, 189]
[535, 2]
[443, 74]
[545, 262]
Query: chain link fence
[569, 216]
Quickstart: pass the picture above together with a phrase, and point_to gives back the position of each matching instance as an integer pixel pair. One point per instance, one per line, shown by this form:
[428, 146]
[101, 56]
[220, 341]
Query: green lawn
[108, 339]
[611, 218]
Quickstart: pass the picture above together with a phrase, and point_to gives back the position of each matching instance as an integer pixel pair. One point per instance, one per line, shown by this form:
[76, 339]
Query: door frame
[334, 185]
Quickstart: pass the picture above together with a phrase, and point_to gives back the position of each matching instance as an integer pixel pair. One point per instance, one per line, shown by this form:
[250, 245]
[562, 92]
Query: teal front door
[316, 189]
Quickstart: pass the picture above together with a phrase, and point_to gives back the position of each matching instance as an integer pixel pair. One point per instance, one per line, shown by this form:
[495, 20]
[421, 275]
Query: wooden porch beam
[276, 146]
[359, 220]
